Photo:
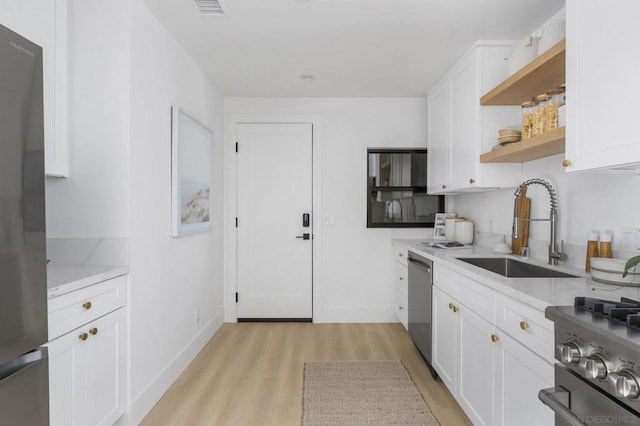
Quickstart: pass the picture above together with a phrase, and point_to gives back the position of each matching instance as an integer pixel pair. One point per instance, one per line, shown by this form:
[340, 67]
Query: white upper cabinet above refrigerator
[603, 85]
[460, 129]
[45, 22]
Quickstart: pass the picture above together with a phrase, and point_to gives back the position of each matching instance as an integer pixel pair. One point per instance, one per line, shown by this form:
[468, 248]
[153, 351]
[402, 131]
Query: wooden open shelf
[541, 74]
[551, 143]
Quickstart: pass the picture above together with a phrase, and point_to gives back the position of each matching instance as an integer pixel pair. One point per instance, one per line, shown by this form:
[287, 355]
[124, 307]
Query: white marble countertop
[64, 279]
[536, 292]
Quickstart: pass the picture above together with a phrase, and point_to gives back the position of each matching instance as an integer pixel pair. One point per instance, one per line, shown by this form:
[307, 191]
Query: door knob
[304, 236]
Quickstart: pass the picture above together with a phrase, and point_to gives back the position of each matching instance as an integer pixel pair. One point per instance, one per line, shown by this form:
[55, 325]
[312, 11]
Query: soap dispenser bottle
[592, 249]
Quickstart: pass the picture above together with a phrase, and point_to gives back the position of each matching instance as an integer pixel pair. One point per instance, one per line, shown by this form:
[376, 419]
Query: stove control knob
[595, 368]
[627, 385]
[569, 353]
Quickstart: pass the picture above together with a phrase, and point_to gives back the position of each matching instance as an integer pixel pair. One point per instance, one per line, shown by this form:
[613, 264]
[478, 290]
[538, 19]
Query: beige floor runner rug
[362, 393]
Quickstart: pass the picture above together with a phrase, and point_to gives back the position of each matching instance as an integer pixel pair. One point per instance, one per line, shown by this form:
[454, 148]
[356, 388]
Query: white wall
[588, 201]
[125, 73]
[94, 200]
[170, 277]
[355, 284]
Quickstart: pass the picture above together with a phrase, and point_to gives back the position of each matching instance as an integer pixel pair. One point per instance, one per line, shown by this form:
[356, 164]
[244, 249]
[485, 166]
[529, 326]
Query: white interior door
[274, 192]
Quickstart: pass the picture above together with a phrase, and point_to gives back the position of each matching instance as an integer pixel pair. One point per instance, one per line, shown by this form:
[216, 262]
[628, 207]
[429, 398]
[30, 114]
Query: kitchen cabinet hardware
[401, 278]
[86, 305]
[524, 325]
[472, 181]
[450, 306]
[455, 308]
[494, 338]
[83, 336]
[566, 163]
[400, 307]
[444, 186]
[94, 331]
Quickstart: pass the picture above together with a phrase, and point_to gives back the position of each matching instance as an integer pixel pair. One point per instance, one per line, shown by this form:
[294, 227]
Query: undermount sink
[513, 268]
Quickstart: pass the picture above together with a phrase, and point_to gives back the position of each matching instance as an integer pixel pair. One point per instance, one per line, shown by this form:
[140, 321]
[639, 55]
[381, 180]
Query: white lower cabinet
[463, 356]
[477, 367]
[87, 359]
[520, 374]
[445, 339]
[86, 378]
[494, 377]
[401, 285]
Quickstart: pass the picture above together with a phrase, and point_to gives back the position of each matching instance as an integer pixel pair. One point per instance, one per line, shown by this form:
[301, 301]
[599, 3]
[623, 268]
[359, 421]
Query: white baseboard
[152, 394]
[346, 315]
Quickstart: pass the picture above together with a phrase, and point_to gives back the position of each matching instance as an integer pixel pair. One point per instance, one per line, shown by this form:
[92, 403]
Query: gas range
[598, 342]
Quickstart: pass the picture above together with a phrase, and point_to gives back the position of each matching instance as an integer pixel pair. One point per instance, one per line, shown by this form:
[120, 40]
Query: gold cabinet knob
[94, 331]
[86, 305]
[83, 336]
[401, 278]
[450, 306]
[494, 338]
[455, 308]
[400, 254]
[566, 163]
[524, 325]
[472, 181]
[444, 186]
[400, 307]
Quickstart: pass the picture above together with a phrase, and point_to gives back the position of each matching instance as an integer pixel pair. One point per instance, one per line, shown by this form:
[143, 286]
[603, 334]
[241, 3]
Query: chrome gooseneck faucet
[555, 252]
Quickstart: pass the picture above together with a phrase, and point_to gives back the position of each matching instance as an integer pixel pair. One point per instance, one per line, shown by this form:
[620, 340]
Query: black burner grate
[626, 311]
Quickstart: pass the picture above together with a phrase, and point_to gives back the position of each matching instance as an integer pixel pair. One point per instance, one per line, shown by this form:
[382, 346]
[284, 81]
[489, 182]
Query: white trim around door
[231, 201]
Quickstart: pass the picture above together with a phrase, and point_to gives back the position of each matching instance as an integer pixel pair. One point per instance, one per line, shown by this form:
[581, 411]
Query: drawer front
[401, 254]
[475, 296]
[401, 309]
[402, 278]
[72, 310]
[525, 324]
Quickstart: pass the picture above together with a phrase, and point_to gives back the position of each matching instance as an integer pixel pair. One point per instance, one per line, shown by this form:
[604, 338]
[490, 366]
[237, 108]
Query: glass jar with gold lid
[555, 101]
[527, 119]
[539, 114]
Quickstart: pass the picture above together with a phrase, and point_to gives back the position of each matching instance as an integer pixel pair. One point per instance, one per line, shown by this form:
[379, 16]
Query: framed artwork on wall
[191, 174]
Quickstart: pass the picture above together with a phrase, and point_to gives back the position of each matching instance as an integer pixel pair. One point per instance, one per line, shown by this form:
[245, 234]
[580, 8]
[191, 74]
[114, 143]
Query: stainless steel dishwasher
[420, 311]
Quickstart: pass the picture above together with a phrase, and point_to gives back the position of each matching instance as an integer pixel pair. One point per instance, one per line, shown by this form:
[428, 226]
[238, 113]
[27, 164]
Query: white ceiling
[354, 48]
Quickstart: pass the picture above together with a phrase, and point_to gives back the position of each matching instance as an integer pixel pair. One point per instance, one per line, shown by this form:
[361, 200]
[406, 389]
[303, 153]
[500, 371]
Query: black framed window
[397, 189]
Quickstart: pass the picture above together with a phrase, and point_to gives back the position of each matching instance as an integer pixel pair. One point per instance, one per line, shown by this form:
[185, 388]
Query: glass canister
[539, 114]
[556, 100]
[527, 119]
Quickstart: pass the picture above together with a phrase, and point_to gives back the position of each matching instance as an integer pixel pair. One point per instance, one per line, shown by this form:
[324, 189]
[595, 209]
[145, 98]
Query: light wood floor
[251, 373]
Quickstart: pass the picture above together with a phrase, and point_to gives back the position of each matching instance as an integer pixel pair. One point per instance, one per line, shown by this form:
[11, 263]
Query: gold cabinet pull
[566, 163]
[94, 331]
[444, 186]
[400, 307]
[524, 325]
[455, 308]
[472, 181]
[494, 338]
[400, 254]
[86, 305]
[450, 306]
[401, 278]
[83, 336]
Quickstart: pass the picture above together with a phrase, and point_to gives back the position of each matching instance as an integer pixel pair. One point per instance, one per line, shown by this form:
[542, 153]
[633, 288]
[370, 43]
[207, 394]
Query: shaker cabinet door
[439, 129]
[603, 130]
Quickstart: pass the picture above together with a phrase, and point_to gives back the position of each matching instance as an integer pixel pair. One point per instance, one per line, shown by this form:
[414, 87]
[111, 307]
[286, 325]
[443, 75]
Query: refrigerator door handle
[18, 364]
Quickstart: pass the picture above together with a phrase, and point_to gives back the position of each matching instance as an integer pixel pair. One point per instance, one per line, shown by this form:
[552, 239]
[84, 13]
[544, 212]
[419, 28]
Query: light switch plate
[631, 239]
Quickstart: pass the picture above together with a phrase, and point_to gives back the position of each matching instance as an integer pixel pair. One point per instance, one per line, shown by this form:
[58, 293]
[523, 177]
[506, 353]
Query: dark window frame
[413, 189]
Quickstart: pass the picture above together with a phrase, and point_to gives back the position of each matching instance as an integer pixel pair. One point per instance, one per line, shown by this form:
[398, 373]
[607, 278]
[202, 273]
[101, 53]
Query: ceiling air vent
[210, 7]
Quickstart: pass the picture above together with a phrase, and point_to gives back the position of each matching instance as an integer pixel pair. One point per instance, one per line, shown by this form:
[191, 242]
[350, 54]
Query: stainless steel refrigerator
[24, 387]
